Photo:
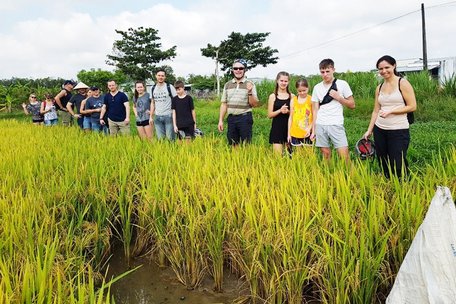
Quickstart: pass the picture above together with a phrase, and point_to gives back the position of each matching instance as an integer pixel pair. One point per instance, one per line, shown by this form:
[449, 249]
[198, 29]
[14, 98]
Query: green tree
[100, 78]
[200, 82]
[138, 52]
[248, 46]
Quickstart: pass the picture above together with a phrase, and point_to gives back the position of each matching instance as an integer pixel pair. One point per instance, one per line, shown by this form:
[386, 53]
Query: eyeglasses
[238, 68]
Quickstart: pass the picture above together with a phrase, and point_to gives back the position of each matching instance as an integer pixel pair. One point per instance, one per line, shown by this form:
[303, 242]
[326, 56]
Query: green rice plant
[425, 87]
[294, 230]
[264, 89]
[363, 84]
[449, 86]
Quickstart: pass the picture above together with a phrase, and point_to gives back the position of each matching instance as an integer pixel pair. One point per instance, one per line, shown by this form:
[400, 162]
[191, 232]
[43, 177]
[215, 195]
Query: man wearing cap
[75, 102]
[61, 99]
[117, 108]
[238, 98]
[91, 108]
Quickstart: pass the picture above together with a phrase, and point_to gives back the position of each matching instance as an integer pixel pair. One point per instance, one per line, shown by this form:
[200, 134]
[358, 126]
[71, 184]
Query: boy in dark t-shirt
[184, 116]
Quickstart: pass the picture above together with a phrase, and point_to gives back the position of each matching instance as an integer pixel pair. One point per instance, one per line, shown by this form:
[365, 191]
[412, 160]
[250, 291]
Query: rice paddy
[294, 230]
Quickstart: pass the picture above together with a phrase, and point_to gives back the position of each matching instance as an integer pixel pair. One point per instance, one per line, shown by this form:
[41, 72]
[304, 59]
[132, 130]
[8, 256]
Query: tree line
[138, 54]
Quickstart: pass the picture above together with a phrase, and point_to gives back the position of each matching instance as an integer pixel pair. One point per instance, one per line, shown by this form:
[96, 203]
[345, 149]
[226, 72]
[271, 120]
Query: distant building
[439, 68]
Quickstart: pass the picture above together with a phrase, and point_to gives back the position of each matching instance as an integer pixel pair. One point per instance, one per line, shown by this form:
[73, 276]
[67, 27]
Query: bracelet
[250, 94]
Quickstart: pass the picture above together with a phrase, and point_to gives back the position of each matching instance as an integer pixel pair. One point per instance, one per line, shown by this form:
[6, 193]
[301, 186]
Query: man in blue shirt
[117, 109]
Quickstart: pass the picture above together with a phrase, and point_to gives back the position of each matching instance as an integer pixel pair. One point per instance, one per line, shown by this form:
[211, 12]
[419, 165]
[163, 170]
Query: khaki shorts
[118, 127]
[66, 118]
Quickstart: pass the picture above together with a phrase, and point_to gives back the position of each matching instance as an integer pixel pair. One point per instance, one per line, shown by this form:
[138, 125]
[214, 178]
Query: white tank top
[389, 102]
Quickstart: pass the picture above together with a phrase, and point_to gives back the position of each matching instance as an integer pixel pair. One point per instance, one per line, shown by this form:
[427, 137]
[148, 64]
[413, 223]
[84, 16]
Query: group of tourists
[301, 120]
[318, 119]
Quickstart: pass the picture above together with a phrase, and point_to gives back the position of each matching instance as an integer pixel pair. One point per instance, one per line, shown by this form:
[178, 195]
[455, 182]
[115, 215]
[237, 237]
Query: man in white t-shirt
[160, 107]
[328, 98]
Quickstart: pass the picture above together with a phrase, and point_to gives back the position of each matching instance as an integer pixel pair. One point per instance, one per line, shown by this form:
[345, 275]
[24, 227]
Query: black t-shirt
[76, 101]
[183, 107]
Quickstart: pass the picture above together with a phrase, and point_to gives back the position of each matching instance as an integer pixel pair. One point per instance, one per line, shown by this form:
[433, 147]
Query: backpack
[167, 87]
[410, 115]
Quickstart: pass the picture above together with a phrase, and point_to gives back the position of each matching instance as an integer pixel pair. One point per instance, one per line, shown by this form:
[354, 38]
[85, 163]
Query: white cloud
[63, 42]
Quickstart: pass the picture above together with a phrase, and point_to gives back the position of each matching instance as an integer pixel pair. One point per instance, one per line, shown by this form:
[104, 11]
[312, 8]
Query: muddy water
[151, 284]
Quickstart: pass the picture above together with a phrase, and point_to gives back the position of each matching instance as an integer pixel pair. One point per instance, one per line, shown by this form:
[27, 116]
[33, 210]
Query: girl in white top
[393, 100]
[49, 111]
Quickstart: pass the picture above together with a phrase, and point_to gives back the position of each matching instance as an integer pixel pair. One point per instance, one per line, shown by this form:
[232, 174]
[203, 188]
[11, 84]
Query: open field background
[295, 230]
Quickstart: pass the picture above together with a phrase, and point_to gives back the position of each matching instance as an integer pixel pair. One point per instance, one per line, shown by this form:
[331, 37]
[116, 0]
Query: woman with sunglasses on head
[33, 108]
[49, 111]
[394, 98]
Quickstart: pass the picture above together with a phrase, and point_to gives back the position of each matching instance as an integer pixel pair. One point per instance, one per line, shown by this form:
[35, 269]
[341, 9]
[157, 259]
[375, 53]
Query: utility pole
[217, 75]
[423, 25]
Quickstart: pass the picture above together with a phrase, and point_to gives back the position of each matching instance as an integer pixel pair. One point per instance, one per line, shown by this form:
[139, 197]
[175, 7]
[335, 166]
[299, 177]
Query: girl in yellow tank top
[300, 121]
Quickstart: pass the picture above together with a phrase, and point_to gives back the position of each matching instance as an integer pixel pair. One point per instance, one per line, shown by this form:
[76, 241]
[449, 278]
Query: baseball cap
[94, 88]
[68, 82]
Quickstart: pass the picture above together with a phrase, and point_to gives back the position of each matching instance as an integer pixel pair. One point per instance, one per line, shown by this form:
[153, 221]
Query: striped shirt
[236, 96]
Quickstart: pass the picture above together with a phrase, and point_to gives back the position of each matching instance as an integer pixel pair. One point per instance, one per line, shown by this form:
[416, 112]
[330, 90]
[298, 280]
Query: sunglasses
[32, 96]
[238, 68]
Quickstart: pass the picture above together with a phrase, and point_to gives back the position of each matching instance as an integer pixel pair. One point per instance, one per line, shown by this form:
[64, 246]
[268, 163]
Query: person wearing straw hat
[76, 100]
[61, 100]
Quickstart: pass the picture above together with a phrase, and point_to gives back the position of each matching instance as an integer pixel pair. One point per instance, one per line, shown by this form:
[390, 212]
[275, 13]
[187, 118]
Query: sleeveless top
[65, 99]
[51, 114]
[389, 102]
[279, 128]
[302, 117]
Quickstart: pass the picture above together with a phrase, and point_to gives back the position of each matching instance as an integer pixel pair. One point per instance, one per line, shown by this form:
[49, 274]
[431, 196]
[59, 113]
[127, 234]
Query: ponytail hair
[277, 84]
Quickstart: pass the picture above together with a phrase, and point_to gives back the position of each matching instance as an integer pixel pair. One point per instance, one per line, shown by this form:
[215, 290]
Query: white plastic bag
[428, 272]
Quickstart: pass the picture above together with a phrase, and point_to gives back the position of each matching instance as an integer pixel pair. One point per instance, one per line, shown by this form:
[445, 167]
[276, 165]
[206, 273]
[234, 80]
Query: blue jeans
[87, 123]
[51, 122]
[164, 126]
[95, 125]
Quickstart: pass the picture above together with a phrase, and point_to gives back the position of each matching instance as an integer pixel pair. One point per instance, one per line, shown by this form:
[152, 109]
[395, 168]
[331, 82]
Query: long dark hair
[283, 73]
[390, 60]
[136, 92]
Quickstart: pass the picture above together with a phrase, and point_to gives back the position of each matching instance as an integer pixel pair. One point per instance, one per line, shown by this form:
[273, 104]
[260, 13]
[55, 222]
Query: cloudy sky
[48, 38]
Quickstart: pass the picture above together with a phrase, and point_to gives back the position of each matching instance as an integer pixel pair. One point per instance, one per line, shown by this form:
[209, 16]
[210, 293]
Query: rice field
[294, 231]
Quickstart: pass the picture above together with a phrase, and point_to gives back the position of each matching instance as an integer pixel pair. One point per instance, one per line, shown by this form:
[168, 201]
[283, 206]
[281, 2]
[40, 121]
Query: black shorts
[38, 120]
[301, 141]
[143, 123]
[188, 131]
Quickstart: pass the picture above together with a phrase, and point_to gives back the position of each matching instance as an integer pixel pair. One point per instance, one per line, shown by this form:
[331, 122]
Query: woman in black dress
[279, 111]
